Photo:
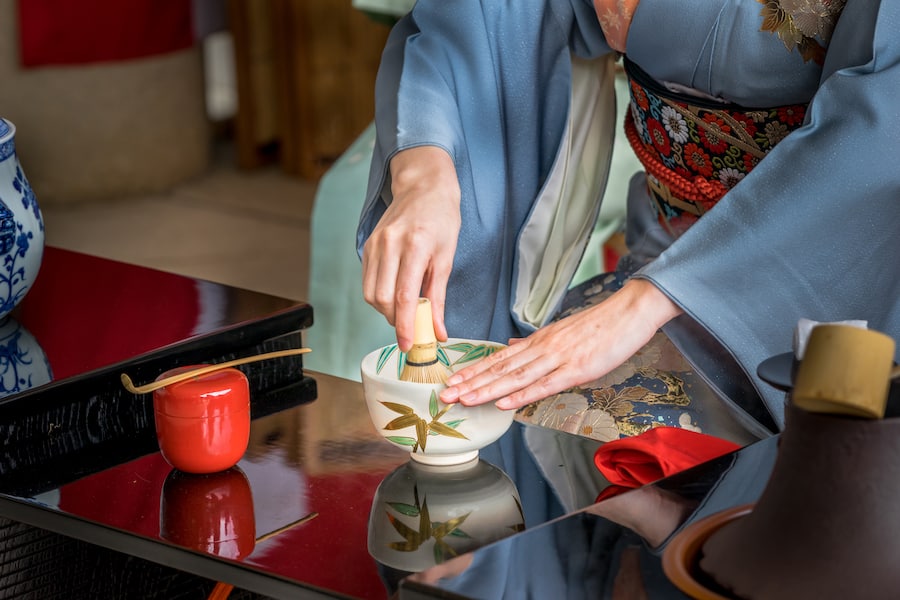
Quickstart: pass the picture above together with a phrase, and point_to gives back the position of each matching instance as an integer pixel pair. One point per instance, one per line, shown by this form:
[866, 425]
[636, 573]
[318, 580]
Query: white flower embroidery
[803, 24]
[685, 422]
[730, 177]
[639, 126]
[813, 18]
[674, 124]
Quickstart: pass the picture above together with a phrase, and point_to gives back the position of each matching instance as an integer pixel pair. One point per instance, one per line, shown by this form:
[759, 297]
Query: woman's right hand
[410, 252]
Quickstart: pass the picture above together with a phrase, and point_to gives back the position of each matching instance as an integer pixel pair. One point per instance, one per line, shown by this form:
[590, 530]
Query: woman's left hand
[568, 352]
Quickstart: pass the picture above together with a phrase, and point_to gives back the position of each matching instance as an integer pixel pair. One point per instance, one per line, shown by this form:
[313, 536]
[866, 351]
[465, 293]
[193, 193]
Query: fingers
[393, 276]
[398, 268]
[378, 280]
[499, 375]
[495, 365]
[437, 314]
[537, 377]
[405, 311]
[393, 269]
[410, 252]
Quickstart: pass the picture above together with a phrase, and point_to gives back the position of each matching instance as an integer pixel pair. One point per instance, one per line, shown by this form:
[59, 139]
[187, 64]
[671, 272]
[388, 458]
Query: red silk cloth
[62, 32]
[657, 453]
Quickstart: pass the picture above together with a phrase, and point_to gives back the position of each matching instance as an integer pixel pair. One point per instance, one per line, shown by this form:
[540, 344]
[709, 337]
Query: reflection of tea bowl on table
[423, 515]
[411, 416]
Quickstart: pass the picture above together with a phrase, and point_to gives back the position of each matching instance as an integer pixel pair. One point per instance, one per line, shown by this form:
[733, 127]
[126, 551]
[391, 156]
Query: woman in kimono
[776, 121]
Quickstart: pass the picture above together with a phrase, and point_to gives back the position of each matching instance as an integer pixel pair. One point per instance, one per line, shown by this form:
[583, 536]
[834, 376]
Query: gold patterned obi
[694, 149]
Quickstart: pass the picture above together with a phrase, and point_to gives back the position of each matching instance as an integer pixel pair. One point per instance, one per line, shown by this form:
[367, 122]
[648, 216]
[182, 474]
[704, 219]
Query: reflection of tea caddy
[195, 508]
[214, 497]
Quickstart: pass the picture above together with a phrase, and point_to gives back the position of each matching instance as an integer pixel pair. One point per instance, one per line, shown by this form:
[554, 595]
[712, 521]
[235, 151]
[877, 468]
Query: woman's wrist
[421, 168]
[647, 300]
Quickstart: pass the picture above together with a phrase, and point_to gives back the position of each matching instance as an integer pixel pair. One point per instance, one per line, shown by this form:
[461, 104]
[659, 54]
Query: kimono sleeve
[812, 231]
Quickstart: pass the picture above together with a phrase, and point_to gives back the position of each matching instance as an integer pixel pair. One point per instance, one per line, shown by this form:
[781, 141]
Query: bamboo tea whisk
[422, 364]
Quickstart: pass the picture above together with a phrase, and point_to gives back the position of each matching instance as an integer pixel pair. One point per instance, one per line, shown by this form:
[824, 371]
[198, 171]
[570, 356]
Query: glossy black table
[311, 472]
[292, 519]
[612, 549]
[615, 547]
[62, 407]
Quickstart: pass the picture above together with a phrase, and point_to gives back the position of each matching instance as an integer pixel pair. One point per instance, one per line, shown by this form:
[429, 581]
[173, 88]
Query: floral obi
[695, 149]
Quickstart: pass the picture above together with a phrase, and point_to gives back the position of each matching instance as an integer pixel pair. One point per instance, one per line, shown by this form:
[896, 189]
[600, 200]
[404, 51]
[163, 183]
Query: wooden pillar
[306, 79]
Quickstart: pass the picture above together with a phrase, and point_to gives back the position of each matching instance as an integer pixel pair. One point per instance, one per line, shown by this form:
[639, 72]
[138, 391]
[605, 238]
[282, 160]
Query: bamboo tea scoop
[161, 383]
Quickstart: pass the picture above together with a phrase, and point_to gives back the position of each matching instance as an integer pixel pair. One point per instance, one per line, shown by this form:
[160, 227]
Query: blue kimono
[811, 232]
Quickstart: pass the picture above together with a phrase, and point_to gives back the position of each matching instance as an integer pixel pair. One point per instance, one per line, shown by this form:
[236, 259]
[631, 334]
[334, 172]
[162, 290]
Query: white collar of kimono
[553, 240]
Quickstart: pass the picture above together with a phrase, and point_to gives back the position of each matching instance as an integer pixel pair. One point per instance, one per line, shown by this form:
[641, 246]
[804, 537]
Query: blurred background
[227, 140]
[188, 135]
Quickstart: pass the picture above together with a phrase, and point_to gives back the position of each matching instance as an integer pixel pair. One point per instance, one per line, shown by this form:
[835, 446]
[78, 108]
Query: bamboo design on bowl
[428, 529]
[434, 426]
[409, 418]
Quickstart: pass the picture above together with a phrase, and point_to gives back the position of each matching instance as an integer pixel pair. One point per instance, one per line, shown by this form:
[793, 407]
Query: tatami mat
[247, 229]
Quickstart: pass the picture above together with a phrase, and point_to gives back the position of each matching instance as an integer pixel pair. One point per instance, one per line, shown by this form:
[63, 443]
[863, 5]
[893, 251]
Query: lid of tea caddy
[208, 395]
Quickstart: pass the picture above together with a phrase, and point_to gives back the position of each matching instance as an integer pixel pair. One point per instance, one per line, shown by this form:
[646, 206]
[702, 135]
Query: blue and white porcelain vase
[21, 226]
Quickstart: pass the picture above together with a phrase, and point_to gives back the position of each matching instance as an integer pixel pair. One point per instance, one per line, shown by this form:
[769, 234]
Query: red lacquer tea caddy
[203, 423]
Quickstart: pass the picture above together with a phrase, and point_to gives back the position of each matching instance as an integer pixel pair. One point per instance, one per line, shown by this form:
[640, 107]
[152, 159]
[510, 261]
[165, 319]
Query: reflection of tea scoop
[423, 515]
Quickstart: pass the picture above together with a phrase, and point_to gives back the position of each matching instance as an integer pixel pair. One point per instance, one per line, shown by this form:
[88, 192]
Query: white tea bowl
[411, 416]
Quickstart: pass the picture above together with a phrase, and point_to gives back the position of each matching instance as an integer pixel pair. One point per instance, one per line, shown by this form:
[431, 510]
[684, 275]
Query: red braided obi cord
[695, 150]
